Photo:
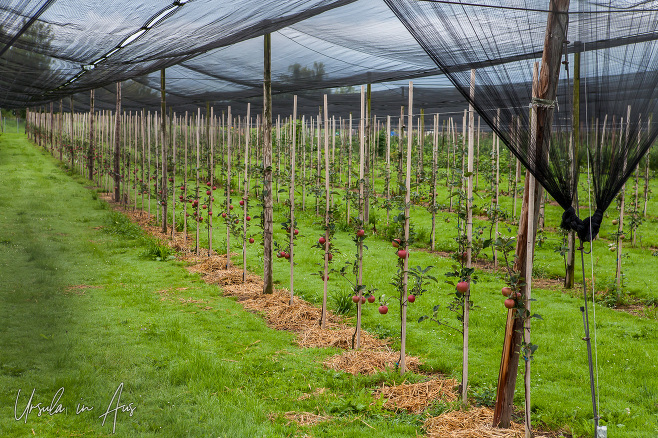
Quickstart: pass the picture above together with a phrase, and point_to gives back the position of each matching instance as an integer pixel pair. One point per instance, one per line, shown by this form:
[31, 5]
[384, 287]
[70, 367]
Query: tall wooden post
[291, 230]
[571, 239]
[90, 150]
[407, 203]
[163, 143]
[268, 212]
[546, 91]
[327, 243]
[469, 235]
[117, 147]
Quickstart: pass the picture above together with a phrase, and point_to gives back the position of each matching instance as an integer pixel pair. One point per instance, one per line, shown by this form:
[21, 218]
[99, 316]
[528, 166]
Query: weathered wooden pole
[268, 212]
[327, 243]
[407, 212]
[90, 150]
[245, 196]
[117, 147]
[571, 237]
[163, 142]
[556, 28]
[469, 234]
[291, 230]
[435, 153]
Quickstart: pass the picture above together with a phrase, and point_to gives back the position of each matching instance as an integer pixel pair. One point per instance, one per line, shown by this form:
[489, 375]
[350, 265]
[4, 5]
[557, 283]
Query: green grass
[202, 373]
[84, 310]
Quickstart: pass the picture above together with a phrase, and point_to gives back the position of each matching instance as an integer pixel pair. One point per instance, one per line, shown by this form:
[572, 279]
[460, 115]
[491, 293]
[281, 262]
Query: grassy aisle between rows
[91, 326]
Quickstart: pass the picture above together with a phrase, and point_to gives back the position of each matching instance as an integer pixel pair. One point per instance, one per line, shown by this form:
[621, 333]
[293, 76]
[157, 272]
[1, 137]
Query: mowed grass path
[83, 314]
[221, 372]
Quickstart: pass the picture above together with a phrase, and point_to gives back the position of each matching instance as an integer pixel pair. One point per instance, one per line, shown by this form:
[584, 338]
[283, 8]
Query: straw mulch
[339, 337]
[282, 316]
[417, 397]
[467, 424]
[368, 362]
[301, 418]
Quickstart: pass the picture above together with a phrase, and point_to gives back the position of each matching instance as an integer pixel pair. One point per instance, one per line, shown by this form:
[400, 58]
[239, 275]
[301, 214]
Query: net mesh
[616, 44]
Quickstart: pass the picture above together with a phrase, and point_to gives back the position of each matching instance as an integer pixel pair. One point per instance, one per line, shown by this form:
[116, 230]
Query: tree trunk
[546, 90]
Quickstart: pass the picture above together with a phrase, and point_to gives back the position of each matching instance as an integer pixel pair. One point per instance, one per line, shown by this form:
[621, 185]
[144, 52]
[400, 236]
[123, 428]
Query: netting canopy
[212, 51]
[610, 49]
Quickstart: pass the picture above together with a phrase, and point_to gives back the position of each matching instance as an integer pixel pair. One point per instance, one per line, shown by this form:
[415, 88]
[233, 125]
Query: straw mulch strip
[282, 316]
[243, 291]
[467, 424]
[301, 418]
[368, 362]
[417, 397]
[339, 337]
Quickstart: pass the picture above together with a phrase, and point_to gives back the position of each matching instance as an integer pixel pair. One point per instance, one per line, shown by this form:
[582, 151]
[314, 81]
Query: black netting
[616, 42]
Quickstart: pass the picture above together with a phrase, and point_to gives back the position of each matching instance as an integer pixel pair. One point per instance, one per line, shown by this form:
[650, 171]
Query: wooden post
[198, 165]
[407, 203]
[622, 206]
[117, 147]
[571, 237]
[531, 231]
[362, 213]
[646, 174]
[435, 154]
[61, 128]
[323, 322]
[173, 178]
[367, 148]
[90, 151]
[268, 212]
[291, 231]
[163, 142]
[497, 188]
[229, 144]
[72, 135]
[546, 90]
[245, 196]
[388, 167]
[469, 234]
[349, 172]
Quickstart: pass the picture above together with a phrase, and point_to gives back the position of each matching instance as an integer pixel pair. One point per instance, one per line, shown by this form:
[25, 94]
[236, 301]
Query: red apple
[230, 207]
[208, 192]
[241, 201]
[371, 299]
[182, 189]
[363, 300]
[411, 298]
[296, 232]
[322, 240]
[330, 256]
[403, 253]
[204, 206]
[286, 255]
[462, 287]
[506, 291]
[251, 240]
[208, 184]
[383, 309]
[210, 213]
[355, 298]
[214, 187]
[510, 303]
[396, 243]
[224, 215]
[248, 218]
[360, 233]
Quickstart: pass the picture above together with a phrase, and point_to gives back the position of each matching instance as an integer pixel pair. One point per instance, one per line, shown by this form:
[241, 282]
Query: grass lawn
[87, 310]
